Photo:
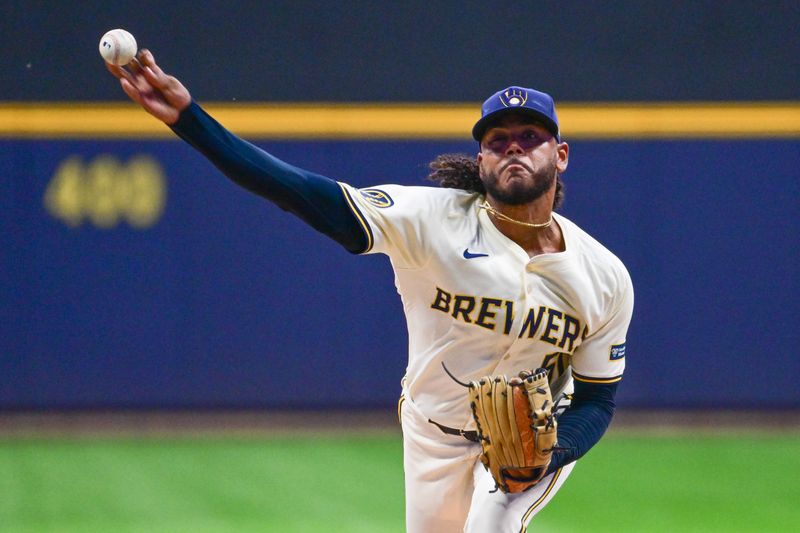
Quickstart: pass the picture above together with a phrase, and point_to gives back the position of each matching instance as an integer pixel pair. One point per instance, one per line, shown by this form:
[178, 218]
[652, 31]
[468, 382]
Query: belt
[469, 435]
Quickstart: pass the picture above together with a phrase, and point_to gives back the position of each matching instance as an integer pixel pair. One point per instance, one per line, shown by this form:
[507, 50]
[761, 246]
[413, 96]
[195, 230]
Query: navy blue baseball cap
[519, 100]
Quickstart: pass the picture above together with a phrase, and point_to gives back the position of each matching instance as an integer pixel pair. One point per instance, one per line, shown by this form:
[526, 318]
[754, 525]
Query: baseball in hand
[118, 47]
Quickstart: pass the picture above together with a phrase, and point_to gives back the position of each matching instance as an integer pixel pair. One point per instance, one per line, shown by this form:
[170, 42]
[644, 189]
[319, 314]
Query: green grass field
[334, 484]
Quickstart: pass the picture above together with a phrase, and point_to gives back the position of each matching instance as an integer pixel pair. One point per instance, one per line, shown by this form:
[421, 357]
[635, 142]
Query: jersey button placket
[532, 287]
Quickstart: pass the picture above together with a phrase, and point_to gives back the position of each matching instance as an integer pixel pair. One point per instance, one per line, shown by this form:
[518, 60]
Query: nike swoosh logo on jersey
[469, 255]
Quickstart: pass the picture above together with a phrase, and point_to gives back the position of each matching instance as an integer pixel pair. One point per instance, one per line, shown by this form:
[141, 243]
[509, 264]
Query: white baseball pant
[448, 490]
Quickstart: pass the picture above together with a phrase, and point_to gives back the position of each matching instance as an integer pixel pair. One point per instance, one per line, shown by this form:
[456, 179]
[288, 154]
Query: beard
[519, 192]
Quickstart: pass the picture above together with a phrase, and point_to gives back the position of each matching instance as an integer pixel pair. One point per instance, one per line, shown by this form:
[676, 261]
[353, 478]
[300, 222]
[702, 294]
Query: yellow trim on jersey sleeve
[360, 217]
[588, 379]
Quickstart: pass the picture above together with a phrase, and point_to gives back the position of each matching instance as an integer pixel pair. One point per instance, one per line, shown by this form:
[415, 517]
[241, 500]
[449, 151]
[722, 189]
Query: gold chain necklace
[498, 214]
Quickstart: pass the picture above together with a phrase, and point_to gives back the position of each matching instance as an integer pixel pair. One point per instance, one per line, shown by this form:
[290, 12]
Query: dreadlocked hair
[460, 171]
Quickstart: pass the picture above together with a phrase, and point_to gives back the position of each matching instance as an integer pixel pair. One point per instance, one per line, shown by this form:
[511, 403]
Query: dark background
[229, 302]
[414, 51]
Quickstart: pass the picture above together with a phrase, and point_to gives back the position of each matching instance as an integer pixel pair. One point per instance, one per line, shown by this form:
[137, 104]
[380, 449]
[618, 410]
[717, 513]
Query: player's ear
[479, 160]
[562, 161]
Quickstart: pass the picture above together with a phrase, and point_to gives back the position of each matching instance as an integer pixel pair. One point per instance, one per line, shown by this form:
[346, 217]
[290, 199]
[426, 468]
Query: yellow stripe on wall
[407, 121]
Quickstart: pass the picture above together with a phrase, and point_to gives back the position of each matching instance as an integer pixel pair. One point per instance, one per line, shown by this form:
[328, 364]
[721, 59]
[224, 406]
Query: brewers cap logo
[377, 197]
[514, 97]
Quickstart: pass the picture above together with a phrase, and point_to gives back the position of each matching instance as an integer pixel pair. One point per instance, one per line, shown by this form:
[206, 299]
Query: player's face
[519, 160]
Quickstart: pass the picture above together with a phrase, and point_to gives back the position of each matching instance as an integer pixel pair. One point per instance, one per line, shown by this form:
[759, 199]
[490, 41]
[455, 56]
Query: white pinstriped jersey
[475, 301]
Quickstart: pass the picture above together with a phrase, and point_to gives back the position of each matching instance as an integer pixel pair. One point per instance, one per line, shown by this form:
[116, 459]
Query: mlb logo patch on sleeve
[617, 351]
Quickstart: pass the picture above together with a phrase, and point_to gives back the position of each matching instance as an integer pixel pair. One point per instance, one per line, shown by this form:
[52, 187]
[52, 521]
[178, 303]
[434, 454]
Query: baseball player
[492, 280]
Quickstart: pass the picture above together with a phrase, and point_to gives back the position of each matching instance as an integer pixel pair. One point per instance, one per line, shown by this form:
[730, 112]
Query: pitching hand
[161, 95]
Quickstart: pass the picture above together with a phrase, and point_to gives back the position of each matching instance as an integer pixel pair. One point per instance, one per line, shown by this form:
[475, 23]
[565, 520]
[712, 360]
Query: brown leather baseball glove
[516, 427]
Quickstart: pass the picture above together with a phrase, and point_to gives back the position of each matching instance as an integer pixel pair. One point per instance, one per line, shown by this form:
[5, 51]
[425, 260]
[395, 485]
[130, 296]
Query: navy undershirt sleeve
[586, 420]
[316, 199]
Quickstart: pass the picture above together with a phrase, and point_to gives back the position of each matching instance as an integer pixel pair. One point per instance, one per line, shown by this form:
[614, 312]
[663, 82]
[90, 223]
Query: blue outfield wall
[222, 300]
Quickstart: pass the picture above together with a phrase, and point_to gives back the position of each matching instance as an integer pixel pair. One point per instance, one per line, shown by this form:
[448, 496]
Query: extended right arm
[316, 199]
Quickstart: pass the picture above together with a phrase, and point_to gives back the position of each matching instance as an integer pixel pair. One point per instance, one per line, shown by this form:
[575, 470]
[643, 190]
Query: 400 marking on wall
[106, 191]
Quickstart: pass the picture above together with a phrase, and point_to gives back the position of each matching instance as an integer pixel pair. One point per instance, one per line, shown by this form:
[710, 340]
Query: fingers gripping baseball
[160, 94]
